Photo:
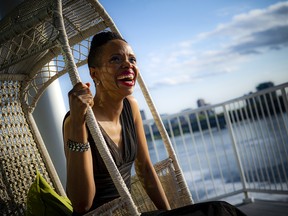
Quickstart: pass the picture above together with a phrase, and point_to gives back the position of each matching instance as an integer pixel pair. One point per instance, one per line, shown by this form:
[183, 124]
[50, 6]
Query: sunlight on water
[210, 166]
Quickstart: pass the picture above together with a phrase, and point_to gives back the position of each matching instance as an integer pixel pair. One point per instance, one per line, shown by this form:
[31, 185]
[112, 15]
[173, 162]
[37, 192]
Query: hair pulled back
[97, 42]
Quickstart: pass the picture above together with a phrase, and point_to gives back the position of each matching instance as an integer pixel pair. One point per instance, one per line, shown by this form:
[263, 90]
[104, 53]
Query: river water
[210, 163]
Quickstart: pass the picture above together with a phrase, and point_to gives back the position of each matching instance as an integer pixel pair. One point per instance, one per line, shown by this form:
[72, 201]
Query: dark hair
[97, 42]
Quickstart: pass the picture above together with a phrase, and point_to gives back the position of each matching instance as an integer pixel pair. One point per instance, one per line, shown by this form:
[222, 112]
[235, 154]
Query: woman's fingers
[80, 97]
[86, 98]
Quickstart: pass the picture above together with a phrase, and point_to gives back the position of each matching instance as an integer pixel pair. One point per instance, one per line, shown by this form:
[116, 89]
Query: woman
[113, 68]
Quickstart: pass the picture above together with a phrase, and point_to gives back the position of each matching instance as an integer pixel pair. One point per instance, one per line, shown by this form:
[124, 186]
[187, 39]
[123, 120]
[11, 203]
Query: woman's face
[118, 69]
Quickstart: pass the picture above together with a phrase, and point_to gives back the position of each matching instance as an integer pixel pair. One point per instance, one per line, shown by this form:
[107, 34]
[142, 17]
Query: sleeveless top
[124, 158]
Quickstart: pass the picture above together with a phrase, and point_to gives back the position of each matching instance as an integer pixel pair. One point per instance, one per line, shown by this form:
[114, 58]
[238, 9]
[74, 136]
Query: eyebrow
[119, 54]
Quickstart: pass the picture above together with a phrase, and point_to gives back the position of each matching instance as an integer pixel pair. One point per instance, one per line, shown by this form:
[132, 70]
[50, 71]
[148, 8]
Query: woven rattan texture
[29, 32]
[29, 40]
[19, 156]
[171, 185]
[117, 207]
[168, 177]
[53, 70]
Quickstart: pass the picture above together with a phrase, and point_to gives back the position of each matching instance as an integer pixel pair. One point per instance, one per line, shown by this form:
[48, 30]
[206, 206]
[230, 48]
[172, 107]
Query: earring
[98, 82]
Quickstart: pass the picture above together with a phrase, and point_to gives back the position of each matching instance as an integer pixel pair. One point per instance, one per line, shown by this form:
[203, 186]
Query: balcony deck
[265, 208]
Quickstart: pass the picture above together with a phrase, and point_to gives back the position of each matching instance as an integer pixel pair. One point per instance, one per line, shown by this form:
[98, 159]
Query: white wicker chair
[32, 35]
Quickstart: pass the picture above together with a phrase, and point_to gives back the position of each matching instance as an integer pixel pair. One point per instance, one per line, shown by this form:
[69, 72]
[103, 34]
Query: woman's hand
[80, 98]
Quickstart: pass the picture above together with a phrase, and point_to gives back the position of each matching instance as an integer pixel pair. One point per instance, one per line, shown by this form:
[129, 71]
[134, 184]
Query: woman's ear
[93, 73]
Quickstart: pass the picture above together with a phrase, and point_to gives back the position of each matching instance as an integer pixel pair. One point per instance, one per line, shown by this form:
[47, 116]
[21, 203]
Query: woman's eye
[133, 60]
[115, 59]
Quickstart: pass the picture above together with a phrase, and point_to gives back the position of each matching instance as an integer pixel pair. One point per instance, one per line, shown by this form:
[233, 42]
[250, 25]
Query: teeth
[126, 76]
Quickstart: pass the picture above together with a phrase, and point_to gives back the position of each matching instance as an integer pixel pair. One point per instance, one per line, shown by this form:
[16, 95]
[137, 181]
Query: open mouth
[127, 78]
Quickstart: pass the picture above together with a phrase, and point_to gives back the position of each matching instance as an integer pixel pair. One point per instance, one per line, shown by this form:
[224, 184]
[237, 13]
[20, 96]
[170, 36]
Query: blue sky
[215, 50]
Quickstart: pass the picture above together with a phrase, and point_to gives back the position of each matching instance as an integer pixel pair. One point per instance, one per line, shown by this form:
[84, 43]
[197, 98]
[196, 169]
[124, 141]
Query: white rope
[163, 133]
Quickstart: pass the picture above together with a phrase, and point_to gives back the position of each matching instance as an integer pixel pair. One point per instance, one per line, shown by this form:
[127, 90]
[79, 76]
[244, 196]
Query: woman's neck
[107, 108]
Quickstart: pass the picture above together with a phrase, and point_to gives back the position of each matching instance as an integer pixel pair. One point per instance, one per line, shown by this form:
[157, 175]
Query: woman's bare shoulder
[133, 102]
[134, 105]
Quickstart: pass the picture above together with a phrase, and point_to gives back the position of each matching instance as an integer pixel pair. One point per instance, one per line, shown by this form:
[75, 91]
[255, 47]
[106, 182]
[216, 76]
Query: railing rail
[232, 148]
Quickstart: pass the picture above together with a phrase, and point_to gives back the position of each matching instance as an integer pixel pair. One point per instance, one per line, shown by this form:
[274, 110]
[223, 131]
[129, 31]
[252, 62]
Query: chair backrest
[20, 156]
[30, 39]
[174, 190]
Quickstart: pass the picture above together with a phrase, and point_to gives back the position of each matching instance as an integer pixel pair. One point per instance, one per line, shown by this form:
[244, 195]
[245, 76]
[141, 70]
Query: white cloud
[227, 11]
[255, 32]
[254, 21]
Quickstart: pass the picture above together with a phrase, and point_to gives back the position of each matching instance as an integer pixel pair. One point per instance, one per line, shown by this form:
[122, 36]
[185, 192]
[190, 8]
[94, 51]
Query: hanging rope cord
[165, 137]
[94, 127]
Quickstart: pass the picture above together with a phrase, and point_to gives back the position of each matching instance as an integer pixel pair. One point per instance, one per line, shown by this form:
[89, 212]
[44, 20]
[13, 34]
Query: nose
[126, 63]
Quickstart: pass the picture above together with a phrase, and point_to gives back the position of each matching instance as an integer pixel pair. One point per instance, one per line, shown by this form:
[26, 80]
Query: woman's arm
[80, 181]
[143, 165]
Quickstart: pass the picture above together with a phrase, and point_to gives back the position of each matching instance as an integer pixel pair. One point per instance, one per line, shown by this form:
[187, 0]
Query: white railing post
[257, 141]
[246, 199]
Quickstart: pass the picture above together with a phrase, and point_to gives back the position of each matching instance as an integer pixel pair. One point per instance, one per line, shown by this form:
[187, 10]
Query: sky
[213, 50]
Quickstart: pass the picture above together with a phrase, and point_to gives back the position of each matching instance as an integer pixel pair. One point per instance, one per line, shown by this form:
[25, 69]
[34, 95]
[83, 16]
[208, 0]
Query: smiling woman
[113, 68]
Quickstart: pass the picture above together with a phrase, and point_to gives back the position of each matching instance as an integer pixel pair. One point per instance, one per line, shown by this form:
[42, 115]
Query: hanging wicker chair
[40, 40]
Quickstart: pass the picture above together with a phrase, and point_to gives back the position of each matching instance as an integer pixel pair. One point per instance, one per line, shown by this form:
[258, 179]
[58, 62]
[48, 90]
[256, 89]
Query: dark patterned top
[105, 188]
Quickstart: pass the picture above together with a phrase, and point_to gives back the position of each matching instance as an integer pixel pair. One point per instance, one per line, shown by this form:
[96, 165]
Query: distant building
[264, 103]
[192, 115]
[264, 85]
[201, 103]
[143, 115]
[269, 96]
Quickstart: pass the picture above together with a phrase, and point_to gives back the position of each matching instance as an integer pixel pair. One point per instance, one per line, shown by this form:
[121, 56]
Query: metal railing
[232, 148]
